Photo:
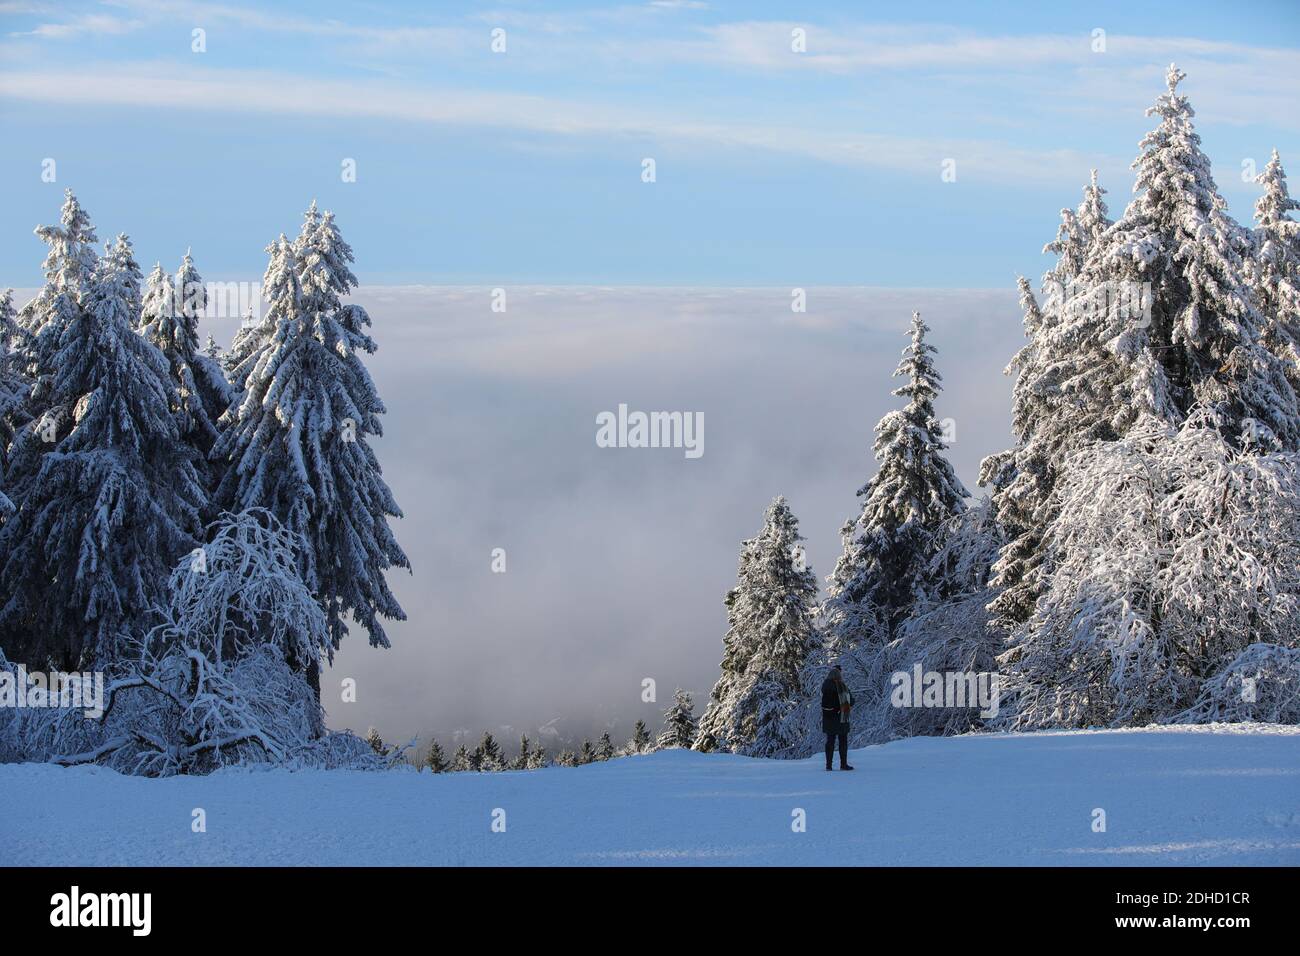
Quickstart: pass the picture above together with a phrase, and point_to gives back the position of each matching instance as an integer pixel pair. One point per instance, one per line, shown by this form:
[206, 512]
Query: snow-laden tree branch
[1173, 552]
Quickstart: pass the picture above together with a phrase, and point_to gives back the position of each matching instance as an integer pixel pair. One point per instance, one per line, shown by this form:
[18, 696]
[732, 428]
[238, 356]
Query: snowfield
[1219, 794]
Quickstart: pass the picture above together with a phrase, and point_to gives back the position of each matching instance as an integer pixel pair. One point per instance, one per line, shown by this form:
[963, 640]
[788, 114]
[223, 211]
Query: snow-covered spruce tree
[375, 741]
[69, 265]
[605, 747]
[1277, 267]
[252, 334]
[296, 443]
[1175, 550]
[436, 760]
[107, 493]
[9, 331]
[462, 760]
[169, 319]
[586, 753]
[640, 742]
[948, 632]
[521, 761]
[1062, 397]
[566, 758]
[1201, 341]
[130, 278]
[679, 722]
[537, 758]
[214, 352]
[882, 572]
[14, 385]
[158, 298]
[488, 757]
[767, 644]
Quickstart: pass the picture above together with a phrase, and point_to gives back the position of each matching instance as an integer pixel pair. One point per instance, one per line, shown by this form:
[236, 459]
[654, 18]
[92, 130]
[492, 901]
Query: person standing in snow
[837, 701]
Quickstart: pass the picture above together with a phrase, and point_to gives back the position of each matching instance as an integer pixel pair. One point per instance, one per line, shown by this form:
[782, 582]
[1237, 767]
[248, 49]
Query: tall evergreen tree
[537, 758]
[13, 390]
[252, 334]
[296, 441]
[1062, 398]
[525, 755]
[14, 385]
[108, 495]
[1202, 340]
[605, 747]
[487, 756]
[1277, 273]
[69, 266]
[1177, 552]
[767, 644]
[640, 741]
[214, 352]
[586, 754]
[70, 262]
[883, 570]
[169, 319]
[436, 760]
[8, 320]
[679, 722]
[1161, 315]
[462, 760]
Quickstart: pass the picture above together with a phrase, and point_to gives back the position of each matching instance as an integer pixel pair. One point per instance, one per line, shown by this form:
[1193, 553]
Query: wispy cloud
[257, 92]
[86, 24]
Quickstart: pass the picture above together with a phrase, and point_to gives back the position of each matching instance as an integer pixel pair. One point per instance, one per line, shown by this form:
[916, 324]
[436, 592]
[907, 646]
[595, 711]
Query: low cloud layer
[617, 559]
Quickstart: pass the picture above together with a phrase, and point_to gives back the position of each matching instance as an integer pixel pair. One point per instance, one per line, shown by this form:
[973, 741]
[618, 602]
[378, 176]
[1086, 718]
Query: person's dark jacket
[831, 707]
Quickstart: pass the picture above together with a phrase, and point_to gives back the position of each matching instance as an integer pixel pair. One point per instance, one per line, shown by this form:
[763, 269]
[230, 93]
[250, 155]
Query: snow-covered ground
[1222, 795]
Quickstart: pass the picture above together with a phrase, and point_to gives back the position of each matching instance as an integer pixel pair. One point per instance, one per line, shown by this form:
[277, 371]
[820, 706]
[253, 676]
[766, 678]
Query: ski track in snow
[1178, 795]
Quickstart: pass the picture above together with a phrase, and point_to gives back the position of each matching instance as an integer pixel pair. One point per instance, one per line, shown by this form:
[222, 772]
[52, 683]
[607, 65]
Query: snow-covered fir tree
[1277, 272]
[14, 385]
[488, 756]
[375, 741]
[252, 334]
[169, 320]
[436, 760]
[640, 742]
[9, 331]
[296, 440]
[1062, 397]
[214, 352]
[525, 754]
[158, 298]
[605, 747]
[462, 760]
[882, 571]
[566, 758]
[586, 753]
[107, 493]
[1176, 548]
[948, 632]
[679, 722]
[1201, 341]
[69, 265]
[767, 644]
[537, 758]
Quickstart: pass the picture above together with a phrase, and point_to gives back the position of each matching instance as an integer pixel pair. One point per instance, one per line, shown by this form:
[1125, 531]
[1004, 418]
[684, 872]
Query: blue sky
[773, 167]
